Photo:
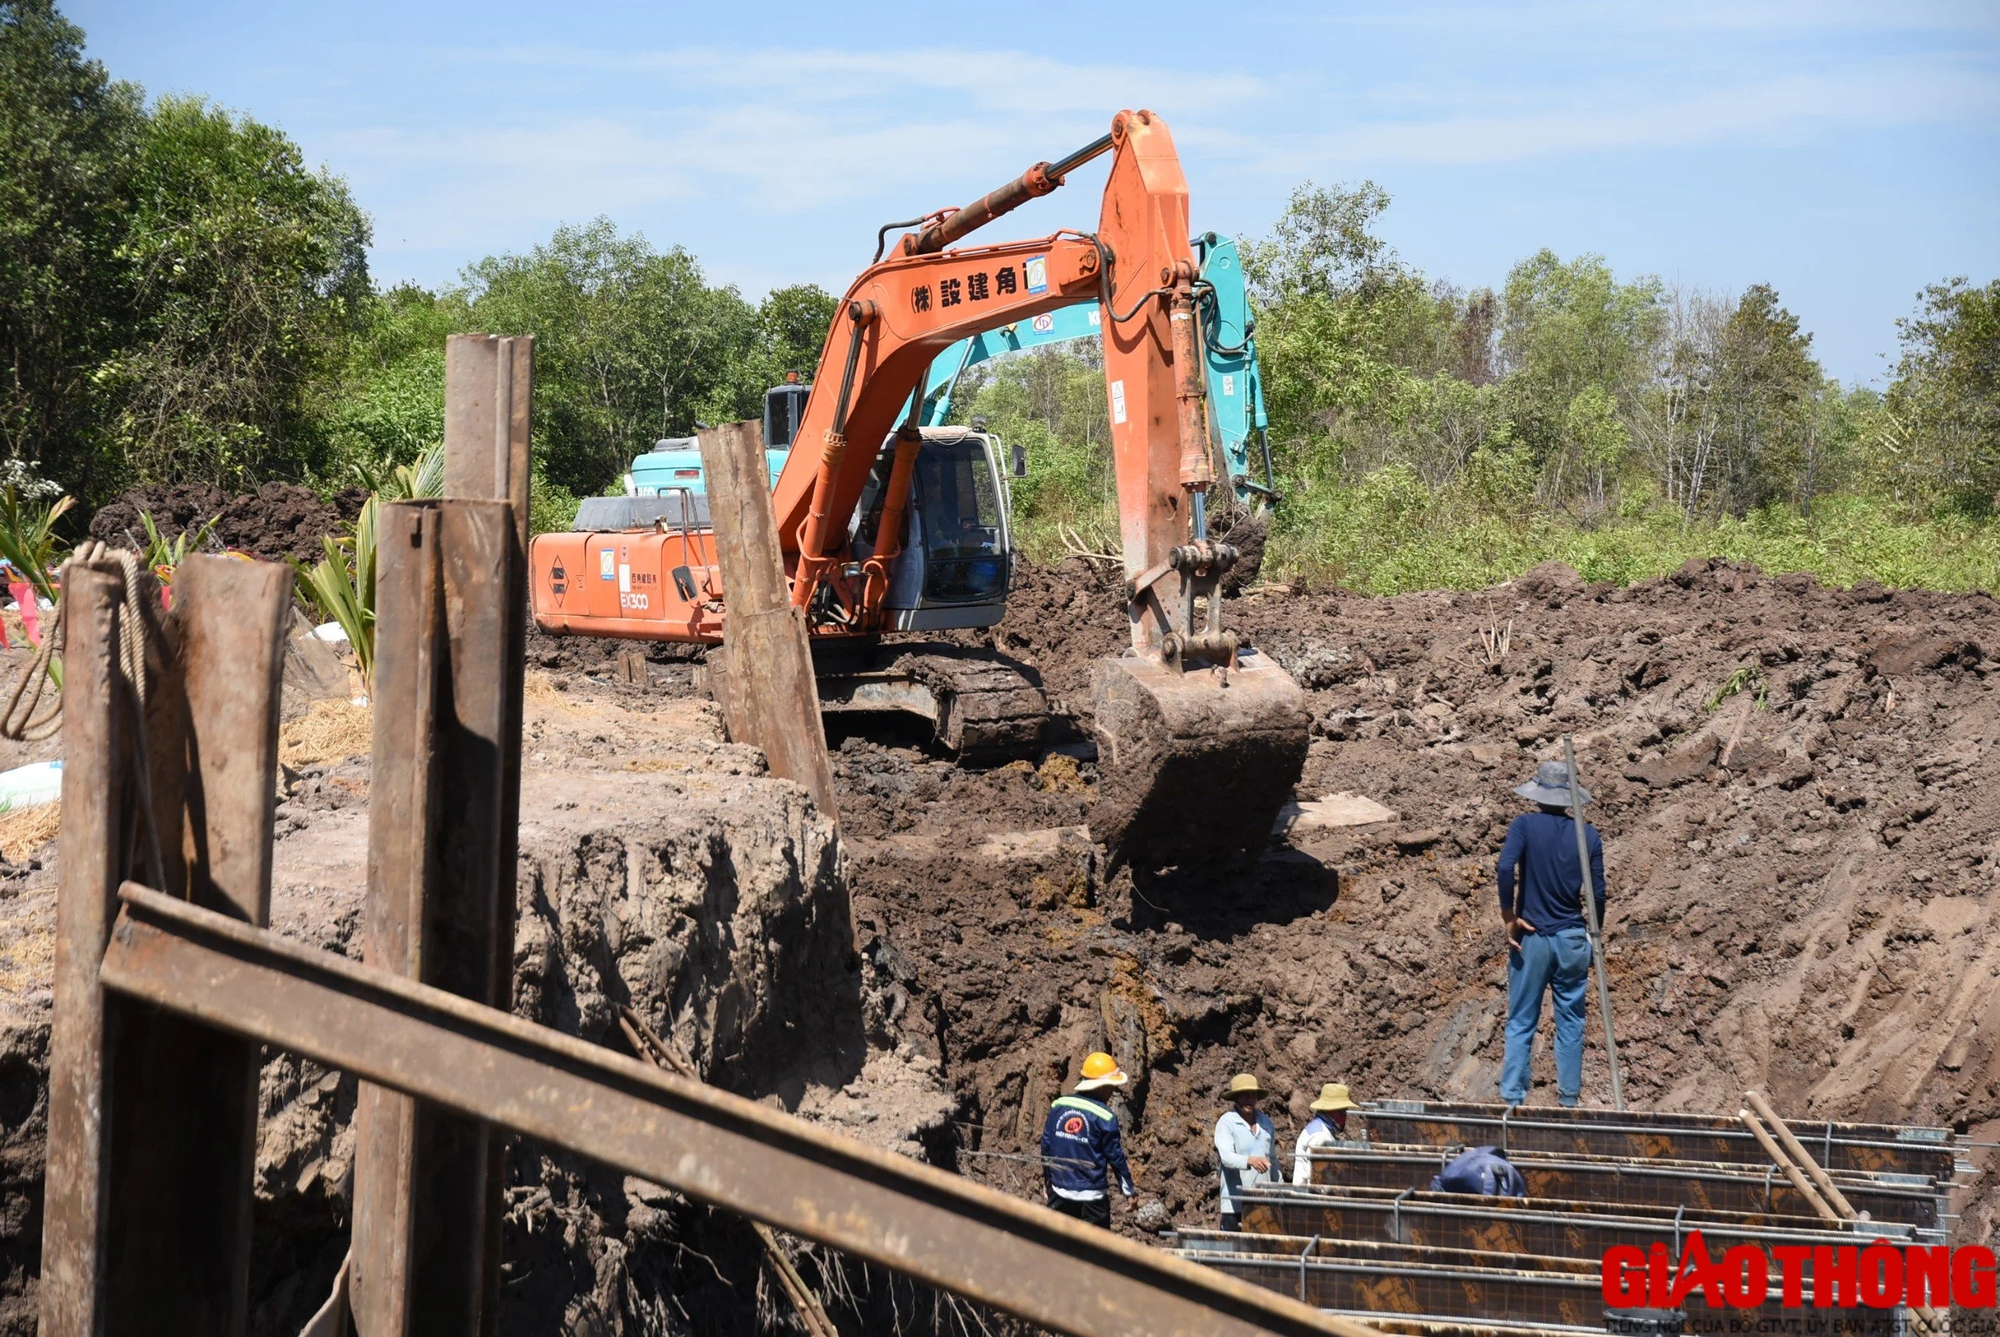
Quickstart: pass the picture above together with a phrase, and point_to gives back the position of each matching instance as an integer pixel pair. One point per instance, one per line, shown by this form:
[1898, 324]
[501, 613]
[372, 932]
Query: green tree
[388, 403]
[631, 345]
[247, 274]
[1567, 328]
[1323, 245]
[793, 323]
[66, 145]
[1769, 386]
[1051, 402]
[1942, 411]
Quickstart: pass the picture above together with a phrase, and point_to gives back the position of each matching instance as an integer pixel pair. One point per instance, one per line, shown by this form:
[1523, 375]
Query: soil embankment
[277, 521]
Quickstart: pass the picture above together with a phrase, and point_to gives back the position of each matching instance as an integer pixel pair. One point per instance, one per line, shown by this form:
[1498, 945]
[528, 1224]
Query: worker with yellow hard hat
[1082, 1148]
[1328, 1128]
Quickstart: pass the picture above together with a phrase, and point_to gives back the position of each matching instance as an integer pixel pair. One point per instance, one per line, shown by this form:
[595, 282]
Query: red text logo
[1878, 1275]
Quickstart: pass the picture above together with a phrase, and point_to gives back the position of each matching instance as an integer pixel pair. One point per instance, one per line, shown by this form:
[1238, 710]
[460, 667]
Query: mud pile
[1814, 917]
[277, 521]
[660, 868]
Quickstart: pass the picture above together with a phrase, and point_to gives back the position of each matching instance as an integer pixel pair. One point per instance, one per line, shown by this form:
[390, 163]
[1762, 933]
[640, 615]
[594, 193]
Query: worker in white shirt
[1245, 1142]
[1328, 1127]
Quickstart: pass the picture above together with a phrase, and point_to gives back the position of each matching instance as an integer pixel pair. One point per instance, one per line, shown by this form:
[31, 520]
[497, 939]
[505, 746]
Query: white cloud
[1572, 121]
[982, 80]
[791, 140]
[787, 132]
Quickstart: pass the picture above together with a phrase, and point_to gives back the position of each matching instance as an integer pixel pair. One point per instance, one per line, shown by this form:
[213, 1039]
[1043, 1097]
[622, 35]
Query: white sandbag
[30, 786]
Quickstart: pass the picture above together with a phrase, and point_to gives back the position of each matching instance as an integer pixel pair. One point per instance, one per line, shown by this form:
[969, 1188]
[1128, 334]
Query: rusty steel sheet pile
[1369, 1239]
[1631, 1133]
[1454, 1221]
[1902, 1199]
[1438, 1286]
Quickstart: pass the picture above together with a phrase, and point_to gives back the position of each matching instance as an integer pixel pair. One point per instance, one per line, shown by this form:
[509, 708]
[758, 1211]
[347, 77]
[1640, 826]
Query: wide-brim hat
[1244, 1084]
[1114, 1078]
[1333, 1096]
[1551, 786]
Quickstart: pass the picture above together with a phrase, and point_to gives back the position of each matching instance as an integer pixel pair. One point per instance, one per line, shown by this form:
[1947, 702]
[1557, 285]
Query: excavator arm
[1200, 738]
[902, 311]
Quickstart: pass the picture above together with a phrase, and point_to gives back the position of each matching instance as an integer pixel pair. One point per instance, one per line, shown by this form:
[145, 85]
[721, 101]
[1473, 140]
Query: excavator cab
[958, 547]
[784, 405]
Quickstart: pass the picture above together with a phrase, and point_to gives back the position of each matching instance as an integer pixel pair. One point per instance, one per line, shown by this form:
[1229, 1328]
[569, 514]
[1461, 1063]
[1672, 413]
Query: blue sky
[1846, 153]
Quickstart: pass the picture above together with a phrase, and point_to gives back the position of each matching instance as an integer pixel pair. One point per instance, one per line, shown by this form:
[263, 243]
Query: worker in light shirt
[1328, 1128]
[1245, 1142]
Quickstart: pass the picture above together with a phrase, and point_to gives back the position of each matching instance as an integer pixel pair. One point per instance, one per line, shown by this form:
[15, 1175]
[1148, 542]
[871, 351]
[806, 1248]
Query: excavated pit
[1815, 918]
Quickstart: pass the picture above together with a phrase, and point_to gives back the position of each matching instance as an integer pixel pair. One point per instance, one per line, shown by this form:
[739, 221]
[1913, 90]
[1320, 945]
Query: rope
[24, 719]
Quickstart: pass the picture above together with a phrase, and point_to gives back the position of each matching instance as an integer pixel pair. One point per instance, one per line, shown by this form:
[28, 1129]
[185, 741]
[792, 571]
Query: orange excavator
[886, 526]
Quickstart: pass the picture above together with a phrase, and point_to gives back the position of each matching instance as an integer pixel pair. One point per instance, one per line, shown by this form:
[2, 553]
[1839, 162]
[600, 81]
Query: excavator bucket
[1193, 764]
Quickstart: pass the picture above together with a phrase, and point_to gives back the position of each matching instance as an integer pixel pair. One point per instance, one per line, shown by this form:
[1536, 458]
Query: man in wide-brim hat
[1549, 947]
[1327, 1128]
[1244, 1142]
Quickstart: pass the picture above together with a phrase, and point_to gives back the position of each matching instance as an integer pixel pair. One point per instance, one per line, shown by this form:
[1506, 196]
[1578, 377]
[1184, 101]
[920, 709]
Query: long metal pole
[1787, 1168]
[1596, 929]
[484, 1063]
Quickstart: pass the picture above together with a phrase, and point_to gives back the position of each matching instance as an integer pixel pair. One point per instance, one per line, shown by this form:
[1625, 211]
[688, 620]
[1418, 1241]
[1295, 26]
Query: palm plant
[341, 585]
[28, 540]
[164, 558]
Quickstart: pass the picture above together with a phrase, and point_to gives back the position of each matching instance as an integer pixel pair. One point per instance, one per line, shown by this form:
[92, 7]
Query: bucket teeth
[1197, 764]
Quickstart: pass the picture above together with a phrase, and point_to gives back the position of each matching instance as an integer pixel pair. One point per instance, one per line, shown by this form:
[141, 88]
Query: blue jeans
[1560, 962]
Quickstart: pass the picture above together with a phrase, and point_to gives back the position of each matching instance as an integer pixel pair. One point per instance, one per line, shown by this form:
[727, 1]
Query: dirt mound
[1803, 868]
[278, 520]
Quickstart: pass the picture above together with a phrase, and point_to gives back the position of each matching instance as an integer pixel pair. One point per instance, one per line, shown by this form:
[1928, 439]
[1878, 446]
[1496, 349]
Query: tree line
[1431, 434]
[183, 299]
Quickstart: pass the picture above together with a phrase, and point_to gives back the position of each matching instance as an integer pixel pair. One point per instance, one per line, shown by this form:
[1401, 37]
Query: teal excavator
[1229, 346]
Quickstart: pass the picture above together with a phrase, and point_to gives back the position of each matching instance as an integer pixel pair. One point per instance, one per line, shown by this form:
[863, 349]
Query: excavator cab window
[958, 494]
[957, 516]
[784, 405]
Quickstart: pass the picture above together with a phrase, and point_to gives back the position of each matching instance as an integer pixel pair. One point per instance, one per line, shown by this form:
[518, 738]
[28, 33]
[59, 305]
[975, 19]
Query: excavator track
[987, 705]
[981, 705]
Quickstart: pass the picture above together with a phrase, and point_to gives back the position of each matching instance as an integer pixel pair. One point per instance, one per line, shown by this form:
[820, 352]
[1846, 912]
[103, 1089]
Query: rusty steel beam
[97, 826]
[152, 1233]
[1659, 1183]
[440, 903]
[488, 422]
[1544, 1233]
[1821, 1135]
[486, 1064]
[1570, 1206]
[1867, 1148]
[1367, 1281]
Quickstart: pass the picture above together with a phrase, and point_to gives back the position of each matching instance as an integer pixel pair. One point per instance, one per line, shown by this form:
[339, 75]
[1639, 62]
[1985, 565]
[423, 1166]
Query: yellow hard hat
[1244, 1083]
[1333, 1096]
[1101, 1070]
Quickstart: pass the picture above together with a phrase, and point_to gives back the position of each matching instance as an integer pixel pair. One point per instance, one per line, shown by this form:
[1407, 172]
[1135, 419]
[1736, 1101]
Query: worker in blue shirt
[1081, 1147]
[1549, 945]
